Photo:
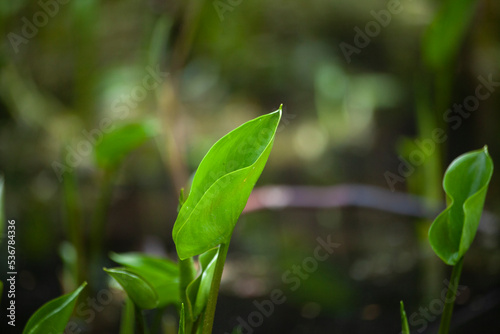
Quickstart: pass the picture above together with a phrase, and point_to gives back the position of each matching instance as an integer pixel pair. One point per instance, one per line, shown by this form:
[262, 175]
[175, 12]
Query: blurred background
[107, 107]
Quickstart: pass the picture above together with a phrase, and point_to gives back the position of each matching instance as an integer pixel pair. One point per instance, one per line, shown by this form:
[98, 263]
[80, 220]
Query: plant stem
[451, 294]
[74, 221]
[208, 320]
[98, 224]
[198, 323]
[140, 324]
[187, 273]
[156, 325]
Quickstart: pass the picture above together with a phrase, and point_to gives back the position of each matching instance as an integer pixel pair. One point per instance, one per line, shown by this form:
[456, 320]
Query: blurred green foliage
[343, 123]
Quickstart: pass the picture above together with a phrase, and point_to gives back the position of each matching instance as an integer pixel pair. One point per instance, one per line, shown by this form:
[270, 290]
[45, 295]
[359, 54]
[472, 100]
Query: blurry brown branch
[352, 195]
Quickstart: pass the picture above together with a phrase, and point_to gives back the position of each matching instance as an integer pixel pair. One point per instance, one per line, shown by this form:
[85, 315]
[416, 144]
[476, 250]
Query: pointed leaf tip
[405, 327]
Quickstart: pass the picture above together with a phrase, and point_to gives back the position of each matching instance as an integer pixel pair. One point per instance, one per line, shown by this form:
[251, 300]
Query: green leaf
[182, 320]
[127, 323]
[465, 182]
[118, 143]
[199, 289]
[138, 289]
[222, 185]
[404, 321]
[161, 274]
[53, 316]
[444, 36]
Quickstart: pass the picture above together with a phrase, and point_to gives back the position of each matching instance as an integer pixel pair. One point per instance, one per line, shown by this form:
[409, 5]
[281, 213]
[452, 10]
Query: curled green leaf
[222, 185]
[137, 288]
[53, 316]
[199, 289]
[465, 182]
[161, 274]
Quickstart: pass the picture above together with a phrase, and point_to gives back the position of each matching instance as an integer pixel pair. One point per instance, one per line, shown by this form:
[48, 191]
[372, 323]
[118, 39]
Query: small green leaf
[465, 182]
[444, 36]
[53, 316]
[115, 145]
[127, 323]
[161, 274]
[222, 185]
[404, 321]
[138, 289]
[182, 320]
[199, 289]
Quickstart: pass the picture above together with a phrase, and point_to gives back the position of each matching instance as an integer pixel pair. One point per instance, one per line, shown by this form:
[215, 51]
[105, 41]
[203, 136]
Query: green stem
[127, 321]
[156, 325]
[451, 294]
[208, 320]
[99, 218]
[187, 274]
[198, 323]
[75, 228]
[84, 32]
[429, 175]
[140, 324]
[98, 224]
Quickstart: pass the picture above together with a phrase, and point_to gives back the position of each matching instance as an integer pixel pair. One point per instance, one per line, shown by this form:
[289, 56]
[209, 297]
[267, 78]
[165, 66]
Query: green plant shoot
[204, 226]
[465, 182]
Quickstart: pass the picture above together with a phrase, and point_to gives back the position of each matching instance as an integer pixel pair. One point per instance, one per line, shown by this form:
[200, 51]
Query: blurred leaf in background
[120, 141]
[445, 34]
